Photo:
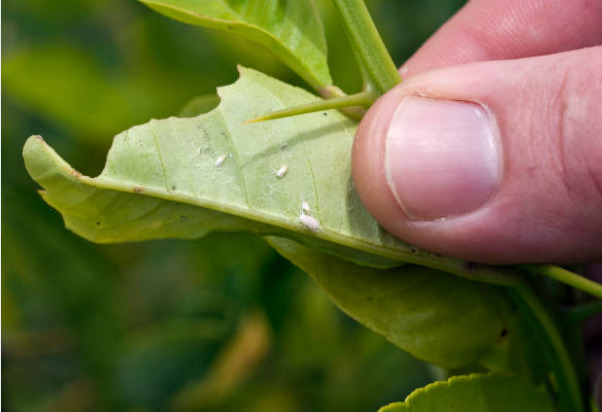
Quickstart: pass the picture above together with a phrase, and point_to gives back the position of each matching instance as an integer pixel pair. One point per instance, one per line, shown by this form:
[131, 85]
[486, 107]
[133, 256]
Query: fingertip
[488, 30]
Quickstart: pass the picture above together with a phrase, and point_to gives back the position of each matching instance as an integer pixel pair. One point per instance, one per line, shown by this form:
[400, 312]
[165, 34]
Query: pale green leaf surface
[476, 393]
[161, 178]
[290, 28]
[161, 181]
[437, 317]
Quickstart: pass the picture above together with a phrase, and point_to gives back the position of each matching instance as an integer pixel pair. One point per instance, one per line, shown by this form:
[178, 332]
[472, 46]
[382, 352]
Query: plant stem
[567, 277]
[584, 311]
[363, 99]
[567, 383]
[373, 58]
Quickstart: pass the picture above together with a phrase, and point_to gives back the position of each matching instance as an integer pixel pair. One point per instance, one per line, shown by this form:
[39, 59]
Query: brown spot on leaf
[138, 189]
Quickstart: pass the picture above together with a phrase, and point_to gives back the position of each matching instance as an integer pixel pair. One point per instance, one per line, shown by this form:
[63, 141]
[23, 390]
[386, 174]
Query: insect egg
[305, 208]
[282, 171]
[220, 161]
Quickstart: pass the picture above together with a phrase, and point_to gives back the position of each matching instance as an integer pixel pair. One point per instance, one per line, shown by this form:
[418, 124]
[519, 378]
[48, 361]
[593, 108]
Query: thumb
[496, 162]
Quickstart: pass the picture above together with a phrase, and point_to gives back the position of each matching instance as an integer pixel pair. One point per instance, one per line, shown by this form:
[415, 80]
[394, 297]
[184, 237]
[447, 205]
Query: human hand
[498, 160]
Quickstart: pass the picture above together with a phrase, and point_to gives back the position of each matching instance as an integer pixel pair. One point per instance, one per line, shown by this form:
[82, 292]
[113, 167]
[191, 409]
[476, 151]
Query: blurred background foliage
[218, 324]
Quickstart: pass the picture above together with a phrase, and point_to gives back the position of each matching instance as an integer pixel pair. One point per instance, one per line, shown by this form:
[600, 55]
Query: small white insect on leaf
[310, 223]
[220, 160]
[281, 172]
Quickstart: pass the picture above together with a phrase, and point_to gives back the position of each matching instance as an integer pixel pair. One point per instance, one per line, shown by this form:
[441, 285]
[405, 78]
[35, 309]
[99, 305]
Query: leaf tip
[32, 144]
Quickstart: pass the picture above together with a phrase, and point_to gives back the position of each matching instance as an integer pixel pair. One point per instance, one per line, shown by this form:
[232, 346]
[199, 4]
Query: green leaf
[156, 362]
[290, 28]
[183, 178]
[437, 317]
[199, 105]
[476, 393]
[64, 288]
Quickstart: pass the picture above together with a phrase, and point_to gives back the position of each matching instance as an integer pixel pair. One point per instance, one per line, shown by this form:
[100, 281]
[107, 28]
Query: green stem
[363, 99]
[567, 277]
[567, 383]
[372, 55]
[584, 311]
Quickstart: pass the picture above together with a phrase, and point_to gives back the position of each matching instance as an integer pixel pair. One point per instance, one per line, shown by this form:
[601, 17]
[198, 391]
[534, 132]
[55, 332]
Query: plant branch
[567, 277]
[566, 380]
[373, 58]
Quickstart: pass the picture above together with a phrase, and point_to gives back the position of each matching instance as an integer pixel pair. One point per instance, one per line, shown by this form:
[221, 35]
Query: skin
[536, 67]
[525, 63]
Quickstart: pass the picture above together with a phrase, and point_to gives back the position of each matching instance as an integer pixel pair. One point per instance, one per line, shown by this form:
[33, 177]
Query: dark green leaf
[290, 28]
[437, 317]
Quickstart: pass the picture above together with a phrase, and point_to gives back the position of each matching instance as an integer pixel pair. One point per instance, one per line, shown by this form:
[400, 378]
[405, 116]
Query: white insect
[309, 222]
[220, 160]
[282, 171]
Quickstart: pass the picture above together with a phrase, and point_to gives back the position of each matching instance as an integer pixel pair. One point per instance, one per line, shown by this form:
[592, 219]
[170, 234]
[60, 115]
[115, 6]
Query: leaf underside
[289, 28]
[435, 316]
[164, 179]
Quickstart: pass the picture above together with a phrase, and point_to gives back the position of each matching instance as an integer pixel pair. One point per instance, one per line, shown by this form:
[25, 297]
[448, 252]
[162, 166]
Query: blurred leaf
[233, 365]
[312, 311]
[437, 317]
[56, 14]
[71, 89]
[476, 393]
[45, 267]
[290, 28]
[158, 361]
[66, 85]
[10, 311]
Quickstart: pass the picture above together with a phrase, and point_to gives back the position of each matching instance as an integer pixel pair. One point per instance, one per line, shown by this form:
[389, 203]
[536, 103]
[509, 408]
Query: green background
[221, 323]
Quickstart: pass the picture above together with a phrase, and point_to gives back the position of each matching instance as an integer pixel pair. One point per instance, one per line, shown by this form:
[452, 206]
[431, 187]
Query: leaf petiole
[377, 67]
[567, 277]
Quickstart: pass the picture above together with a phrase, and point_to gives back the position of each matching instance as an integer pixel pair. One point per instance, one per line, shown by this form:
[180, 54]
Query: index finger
[511, 29]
